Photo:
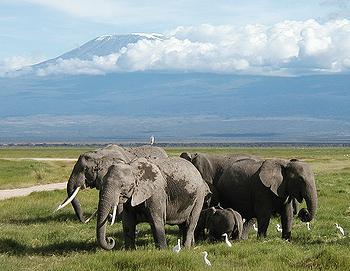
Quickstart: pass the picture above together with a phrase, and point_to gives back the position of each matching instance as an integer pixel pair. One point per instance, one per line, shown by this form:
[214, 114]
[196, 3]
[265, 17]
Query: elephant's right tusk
[87, 220]
[114, 214]
[67, 201]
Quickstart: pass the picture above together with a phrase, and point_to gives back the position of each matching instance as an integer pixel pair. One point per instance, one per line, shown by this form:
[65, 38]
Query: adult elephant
[160, 191]
[92, 166]
[257, 189]
[211, 167]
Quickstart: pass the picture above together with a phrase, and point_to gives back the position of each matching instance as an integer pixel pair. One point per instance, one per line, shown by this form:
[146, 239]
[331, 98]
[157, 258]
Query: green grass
[25, 173]
[34, 238]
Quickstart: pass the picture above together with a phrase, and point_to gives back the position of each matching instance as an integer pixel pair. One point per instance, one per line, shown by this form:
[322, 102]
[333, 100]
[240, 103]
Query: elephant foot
[287, 236]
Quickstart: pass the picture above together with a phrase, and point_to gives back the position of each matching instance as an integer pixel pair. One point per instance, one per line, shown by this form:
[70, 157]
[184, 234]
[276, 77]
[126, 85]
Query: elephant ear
[148, 180]
[186, 155]
[204, 166]
[271, 176]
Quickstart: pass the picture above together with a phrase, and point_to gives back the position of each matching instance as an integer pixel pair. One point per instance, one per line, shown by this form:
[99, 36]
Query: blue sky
[33, 30]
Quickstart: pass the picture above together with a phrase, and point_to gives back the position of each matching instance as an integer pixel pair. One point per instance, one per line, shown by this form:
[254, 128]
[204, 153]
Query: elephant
[91, 167]
[257, 189]
[219, 221]
[211, 167]
[159, 191]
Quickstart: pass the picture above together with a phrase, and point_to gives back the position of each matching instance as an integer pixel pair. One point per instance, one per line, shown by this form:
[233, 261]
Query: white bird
[278, 228]
[255, 227]
[340, 229]
[207, 262]
[177, 248]
[308, 226]
[151, 140]
[228, 243]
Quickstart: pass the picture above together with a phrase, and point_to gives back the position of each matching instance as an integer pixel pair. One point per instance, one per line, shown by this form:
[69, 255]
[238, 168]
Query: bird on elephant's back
[92, 166]
[160, 191]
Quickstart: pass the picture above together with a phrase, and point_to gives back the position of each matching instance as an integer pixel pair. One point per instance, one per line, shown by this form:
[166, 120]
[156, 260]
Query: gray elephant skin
[219, 221]
[257, 189]
[211, 167]
[160, 191]
[92, 166]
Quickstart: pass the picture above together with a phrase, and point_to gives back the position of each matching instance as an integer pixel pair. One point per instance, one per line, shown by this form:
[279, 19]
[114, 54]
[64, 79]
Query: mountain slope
[100, 46]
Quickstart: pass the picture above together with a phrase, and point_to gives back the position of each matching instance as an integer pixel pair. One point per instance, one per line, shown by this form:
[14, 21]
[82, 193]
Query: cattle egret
[207, 262]
[278, 228]
[177, 248]
[255, 227]
[151, 140]
[308, 226]
[340, 229]
[228, 243]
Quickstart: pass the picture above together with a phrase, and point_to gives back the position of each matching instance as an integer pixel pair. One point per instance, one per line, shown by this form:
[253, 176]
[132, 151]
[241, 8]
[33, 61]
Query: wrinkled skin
[158, 191]
[92, 166]
[257, 189]
[220, 221]
[216, 221]
[211, 167]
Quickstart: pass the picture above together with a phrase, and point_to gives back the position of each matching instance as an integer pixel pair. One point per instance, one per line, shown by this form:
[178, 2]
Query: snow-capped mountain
[102, 46]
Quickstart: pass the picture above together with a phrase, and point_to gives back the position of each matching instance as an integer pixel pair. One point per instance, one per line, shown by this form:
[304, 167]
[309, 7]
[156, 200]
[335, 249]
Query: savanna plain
[32, 237]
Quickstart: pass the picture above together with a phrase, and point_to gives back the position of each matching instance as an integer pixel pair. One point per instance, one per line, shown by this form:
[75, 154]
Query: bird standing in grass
[308, 226]
[228, 243]
[278, 228]
[340, 229]
[177, 248]
[151, 140]
[207, 262]
[255, 227]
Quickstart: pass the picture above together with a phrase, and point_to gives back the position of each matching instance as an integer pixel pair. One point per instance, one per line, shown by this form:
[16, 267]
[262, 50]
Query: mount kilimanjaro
[172, 105]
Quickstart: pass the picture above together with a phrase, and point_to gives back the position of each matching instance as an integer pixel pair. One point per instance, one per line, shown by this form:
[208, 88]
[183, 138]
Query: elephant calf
[219, 221]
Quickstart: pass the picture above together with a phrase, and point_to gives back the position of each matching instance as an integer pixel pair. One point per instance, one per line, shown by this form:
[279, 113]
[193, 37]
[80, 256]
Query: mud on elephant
[160, 191]
[92, 166]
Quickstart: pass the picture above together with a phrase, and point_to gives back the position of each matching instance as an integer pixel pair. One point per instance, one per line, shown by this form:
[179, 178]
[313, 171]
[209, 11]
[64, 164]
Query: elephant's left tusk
[67, 201]
[114, 214]
[93, 214]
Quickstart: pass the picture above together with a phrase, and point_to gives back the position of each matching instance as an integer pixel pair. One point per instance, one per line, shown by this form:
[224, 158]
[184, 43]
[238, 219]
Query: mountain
[173, 106]
[101, 46]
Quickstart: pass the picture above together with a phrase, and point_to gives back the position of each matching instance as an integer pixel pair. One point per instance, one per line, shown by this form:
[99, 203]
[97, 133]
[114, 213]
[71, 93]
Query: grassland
[33, 238]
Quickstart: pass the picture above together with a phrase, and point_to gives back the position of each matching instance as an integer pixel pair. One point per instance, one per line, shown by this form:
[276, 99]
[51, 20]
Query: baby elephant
[219, 221]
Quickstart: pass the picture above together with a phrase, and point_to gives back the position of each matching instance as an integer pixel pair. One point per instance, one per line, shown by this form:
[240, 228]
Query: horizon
[216, 73]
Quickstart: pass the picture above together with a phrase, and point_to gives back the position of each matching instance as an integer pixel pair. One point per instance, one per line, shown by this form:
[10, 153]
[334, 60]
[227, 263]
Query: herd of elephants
[205, 195]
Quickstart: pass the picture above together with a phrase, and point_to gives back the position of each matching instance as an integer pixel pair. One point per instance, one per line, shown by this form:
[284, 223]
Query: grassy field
[33, 238]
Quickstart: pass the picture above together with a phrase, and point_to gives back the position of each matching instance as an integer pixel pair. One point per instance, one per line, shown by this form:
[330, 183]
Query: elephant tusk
[114, 214]
[87, 220]
[67, 201]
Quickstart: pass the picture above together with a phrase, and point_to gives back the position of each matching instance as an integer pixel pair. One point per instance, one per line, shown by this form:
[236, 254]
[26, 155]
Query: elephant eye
[301, 179]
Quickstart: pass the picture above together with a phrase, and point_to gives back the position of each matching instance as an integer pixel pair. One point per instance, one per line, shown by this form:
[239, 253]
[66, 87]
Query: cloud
[10, 65]
[285, 48]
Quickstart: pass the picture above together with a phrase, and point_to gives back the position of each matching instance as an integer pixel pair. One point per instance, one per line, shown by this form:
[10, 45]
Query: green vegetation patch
[24, 173]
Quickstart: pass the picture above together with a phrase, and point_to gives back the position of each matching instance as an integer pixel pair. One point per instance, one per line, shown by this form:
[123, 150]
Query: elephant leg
[192, 222]
[158, 230]
[287, 221]
[248, 224]
[129, 229]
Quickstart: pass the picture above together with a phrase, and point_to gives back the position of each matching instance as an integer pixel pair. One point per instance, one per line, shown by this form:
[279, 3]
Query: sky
[300, 33]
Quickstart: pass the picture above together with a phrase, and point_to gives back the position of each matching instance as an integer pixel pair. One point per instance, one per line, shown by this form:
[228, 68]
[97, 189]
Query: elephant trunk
[306, 215]
[108, 200]
[73, 183]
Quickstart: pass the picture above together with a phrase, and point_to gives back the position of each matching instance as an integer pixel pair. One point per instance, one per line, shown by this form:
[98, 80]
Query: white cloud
[12, 64]
[285, 48]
